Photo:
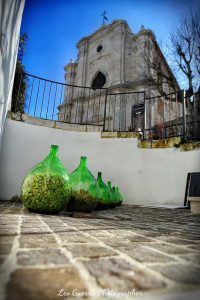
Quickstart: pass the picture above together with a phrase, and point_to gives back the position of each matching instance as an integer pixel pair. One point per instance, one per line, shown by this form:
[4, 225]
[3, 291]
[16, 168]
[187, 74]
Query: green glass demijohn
[46, 188]
[103, 194]
[113, 195]
[120, 197]
[116, 197]
[83, 197]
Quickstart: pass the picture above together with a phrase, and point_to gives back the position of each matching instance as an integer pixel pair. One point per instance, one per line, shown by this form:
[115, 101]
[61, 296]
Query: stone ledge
[52, 124]
[142, 144]
[109, 135]
[14, 116]
[77, 127]
[122, 134]
[162, 143]
[37, 121]
[190, 146]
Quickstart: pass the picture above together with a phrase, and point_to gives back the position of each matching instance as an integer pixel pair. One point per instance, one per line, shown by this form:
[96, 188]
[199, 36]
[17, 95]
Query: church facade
[116, 61]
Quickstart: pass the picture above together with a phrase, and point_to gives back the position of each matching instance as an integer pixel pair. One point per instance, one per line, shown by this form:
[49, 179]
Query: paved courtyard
[127, 252]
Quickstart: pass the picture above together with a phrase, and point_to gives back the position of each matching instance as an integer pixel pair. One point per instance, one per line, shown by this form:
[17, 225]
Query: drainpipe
[184, 116]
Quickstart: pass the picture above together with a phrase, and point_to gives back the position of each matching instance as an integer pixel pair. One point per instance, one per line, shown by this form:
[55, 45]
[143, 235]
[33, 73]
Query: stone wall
[129, 252]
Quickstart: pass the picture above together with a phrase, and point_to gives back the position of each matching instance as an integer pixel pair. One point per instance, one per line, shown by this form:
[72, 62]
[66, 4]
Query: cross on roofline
[104, 17]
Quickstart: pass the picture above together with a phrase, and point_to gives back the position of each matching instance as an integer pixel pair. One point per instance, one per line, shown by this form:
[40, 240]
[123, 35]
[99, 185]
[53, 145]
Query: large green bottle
[103, 195]
[46, 188]
[113, 196]
[120, 197]
[83, 197]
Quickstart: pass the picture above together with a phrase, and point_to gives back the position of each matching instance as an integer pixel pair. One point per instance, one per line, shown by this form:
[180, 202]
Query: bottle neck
[109, 184]
[99, 177]
[53, 152]
[83, 162]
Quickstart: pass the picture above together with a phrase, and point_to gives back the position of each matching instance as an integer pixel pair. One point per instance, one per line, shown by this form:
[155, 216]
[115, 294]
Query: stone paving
[127, 252]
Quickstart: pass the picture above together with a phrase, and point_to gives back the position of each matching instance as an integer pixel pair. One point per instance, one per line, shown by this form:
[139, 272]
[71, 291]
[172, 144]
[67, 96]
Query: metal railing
[118, 114]
[155, 117]
[172, 115]
[192, 117]
[164, 116]
[51, 100]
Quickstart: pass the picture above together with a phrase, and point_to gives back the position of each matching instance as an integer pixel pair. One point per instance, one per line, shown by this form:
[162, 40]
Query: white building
[115, 58]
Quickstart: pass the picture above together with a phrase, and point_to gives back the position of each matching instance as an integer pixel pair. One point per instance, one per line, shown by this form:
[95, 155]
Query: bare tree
[158, 70]
[185, 46]
[155, 68]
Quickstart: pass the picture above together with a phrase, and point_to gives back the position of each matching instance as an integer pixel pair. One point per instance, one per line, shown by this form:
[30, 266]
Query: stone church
[128, 67]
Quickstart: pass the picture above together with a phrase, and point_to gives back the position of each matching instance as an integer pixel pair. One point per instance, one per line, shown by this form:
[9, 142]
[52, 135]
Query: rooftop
[101, 30]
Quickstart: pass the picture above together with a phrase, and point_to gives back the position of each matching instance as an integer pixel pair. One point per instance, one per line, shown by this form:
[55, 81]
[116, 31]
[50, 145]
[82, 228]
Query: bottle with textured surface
[103, 194]
[46, 188]
[83, 196]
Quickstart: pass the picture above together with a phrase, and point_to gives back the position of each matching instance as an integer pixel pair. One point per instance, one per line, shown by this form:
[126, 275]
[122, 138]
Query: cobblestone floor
[131, 251]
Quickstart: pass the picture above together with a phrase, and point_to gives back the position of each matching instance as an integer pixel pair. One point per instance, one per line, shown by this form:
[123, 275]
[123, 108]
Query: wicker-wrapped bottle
[103, 194]
[84, 193]
[46, 188]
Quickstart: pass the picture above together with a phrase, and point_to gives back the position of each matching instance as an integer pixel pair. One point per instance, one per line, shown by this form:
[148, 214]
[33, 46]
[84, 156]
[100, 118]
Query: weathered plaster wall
[10, 21]
[146, 176]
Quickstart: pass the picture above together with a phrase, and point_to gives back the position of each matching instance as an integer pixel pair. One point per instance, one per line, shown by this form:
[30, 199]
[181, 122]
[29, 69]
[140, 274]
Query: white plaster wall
[145, 176]
[10, 21]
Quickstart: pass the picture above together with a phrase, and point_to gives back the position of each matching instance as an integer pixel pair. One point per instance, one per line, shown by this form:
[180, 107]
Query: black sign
[138, 109]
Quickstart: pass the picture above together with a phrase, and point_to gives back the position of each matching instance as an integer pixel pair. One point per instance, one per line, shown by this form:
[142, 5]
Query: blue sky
[55, 26]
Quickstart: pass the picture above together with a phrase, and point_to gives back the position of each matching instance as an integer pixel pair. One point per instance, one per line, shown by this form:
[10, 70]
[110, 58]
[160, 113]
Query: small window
[99, 48]
[99, 81]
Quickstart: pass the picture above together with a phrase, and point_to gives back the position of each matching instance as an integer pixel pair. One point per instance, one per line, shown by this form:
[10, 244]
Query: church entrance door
[138, 117]
[124, 111]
